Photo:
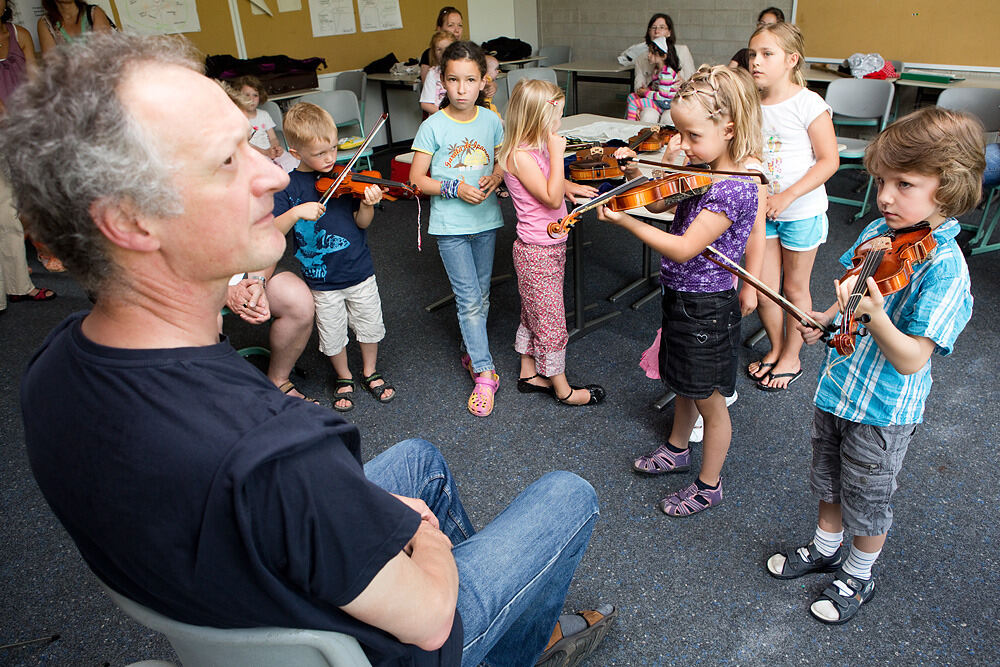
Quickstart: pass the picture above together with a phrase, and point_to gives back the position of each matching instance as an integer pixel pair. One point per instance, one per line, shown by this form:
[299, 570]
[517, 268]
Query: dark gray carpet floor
[690, 591]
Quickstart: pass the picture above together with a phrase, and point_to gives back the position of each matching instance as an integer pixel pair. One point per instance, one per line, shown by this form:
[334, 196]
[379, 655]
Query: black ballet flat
[525, 387]
[596, 395]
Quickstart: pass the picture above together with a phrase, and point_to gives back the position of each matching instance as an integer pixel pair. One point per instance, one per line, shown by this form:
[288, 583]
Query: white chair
[355, 81]
[198, 646]
[984, 103]
[865, 102]
[343, 106]
[543, 73]
[274, 111]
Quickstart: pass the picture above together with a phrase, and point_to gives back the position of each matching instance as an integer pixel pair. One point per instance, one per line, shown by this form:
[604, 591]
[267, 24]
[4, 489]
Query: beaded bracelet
[449, 188]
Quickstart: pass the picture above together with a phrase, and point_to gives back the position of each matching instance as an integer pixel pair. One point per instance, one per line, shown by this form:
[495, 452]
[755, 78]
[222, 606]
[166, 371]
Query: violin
[356, 182]
[889, 258]
[655, 141]
[597, 163]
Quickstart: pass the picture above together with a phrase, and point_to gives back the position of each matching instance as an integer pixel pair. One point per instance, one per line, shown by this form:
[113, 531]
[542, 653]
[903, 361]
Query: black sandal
[796, 565]
[525, 386]
[344, 395]
[847, 605]
[380, 389]
[596, 395]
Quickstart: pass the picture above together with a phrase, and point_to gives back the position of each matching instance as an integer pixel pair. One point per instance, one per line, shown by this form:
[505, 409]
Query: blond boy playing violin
[928, 166]
[331, 244]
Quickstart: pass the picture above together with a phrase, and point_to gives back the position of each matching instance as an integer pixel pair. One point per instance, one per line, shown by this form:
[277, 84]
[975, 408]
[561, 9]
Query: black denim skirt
[699, 344]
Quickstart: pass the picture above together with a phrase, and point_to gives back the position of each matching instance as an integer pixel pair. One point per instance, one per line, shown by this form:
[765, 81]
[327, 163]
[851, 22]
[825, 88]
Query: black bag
[278, 74]
[506, 48]
[383, 65]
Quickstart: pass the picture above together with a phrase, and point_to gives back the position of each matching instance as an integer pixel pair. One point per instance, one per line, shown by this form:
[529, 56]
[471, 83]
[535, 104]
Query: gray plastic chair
[555, 55]
[543, 73]
[355, 81]
[343, 106]
[198, 646]
[858, 102]
[274, 111]
[984, 103]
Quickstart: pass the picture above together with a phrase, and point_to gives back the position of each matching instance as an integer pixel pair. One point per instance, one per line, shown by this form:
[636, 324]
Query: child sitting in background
[661, 89]
[433, 91]
[248, 92]
[332, 245]
[928, 166]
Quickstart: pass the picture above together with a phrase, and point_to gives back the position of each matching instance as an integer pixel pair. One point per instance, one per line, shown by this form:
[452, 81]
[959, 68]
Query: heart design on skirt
[702, 337]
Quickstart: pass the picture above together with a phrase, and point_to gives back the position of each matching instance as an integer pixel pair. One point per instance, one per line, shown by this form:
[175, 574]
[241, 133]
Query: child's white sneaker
[698, 432]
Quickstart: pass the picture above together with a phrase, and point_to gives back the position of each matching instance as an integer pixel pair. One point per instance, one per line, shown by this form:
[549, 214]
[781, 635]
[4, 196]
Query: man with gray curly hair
[138, 172]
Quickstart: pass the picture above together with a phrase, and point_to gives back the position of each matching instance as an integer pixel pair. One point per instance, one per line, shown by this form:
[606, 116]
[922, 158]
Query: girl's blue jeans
[468, 260]
[515, 572]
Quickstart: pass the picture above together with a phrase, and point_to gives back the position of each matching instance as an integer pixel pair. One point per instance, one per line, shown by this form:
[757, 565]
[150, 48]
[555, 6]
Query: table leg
[576, 97]
[385, 109]
[445, 300]
[647, 261]
[582, 326]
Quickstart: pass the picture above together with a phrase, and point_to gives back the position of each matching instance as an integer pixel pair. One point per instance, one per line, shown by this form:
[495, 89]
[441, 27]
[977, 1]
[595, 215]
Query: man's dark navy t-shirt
[332, 251]
[194, 487]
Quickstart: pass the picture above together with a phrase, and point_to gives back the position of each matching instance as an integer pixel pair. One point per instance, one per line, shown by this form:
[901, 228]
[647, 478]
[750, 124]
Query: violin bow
[687, 169]
[347, 168]
[716, 257]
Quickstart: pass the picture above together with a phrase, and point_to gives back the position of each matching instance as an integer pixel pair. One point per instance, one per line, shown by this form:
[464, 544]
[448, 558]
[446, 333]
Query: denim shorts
[856, 466]
[799, 235]
[700, 342]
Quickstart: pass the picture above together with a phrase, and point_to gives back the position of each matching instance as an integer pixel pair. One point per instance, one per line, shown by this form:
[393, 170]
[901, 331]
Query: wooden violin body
[653, 140]
[671, 188]
[355, 183]
[889, 259]
[596, 163]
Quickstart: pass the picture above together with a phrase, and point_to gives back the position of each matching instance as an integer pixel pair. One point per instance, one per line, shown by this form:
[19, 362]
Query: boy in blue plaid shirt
[928, 166]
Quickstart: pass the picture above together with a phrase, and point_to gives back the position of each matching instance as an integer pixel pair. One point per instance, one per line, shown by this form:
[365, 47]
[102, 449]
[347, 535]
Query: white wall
[503, 18]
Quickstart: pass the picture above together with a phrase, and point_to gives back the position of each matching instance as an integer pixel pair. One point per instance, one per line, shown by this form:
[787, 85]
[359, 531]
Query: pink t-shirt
[533, 217]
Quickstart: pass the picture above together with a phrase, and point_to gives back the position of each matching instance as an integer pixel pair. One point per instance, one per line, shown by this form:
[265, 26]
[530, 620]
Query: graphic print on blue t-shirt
[314, 244]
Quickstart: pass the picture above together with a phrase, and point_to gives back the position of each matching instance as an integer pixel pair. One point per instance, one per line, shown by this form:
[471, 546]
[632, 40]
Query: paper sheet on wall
[289, 5]
[260, 7]
[379, 15]
[159, 17]
[332, 17]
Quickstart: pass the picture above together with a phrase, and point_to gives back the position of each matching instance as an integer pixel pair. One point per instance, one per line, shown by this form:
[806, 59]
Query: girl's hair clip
[554, 103]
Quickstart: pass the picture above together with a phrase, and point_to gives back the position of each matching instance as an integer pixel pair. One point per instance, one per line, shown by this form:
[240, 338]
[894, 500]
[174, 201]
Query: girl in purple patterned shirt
[717, 112]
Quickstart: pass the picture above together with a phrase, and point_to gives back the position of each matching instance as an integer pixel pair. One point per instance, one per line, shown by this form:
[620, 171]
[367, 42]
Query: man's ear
[123, 226]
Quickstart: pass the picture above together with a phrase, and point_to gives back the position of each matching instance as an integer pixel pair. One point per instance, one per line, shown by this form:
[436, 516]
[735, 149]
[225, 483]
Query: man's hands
[248, 300]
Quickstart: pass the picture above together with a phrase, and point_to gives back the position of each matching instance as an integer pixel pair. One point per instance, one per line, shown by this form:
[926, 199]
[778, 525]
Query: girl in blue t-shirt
[718, 115]
[454, 162]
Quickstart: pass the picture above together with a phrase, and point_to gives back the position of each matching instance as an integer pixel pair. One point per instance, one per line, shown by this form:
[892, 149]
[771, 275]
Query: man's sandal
[842, 599]
[339, 395]
[567, 651]
[287, 387]
[661, 461]
[481, 400]
[378, 390]
[795, 563]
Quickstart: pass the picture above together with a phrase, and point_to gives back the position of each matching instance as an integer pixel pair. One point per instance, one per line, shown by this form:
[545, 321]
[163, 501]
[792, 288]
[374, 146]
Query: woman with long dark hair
[68, 20]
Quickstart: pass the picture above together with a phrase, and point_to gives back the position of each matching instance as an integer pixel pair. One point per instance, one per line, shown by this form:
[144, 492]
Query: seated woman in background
[678, 56]
[68, 20]
[433, 91]
[769, 16]
[449, 20]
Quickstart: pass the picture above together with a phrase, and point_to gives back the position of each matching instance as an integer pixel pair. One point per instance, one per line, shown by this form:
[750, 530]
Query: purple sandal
[661, 461]
[691, 500]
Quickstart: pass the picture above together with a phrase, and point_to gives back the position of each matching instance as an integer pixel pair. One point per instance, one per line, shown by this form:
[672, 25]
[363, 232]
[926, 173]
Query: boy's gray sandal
[802, 561]
[847, 594]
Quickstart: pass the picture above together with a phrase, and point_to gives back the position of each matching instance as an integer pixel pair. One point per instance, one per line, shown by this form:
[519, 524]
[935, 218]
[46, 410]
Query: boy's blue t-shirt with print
[333, 251]
[462, 150]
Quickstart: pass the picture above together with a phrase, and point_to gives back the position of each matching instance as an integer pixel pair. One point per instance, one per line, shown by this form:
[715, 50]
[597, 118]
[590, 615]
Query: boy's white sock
[859, 563]
[827, 543]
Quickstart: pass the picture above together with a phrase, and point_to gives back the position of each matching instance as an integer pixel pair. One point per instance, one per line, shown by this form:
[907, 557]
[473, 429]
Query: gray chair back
[199, 646]
[861, 98]
[274, 111]
[341, 104]
[543, 73]
[555, 55]
[355, 81]
[984, 103]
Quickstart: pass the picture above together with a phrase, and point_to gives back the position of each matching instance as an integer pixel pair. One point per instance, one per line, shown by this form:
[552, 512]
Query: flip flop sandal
[571, 650]
[846, 594]
[661, 461]
[481, 400]
[380, 389]
[797, 563]
[343, 395]
[43, 294]
[288, 387]
[770, 376]
[761, 364]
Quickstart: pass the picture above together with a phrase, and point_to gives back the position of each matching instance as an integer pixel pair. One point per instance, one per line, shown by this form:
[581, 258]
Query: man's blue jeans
[468, 260]
[515, 572]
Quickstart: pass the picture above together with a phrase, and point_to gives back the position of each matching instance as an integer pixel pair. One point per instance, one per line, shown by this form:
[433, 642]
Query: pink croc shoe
[481, 399]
